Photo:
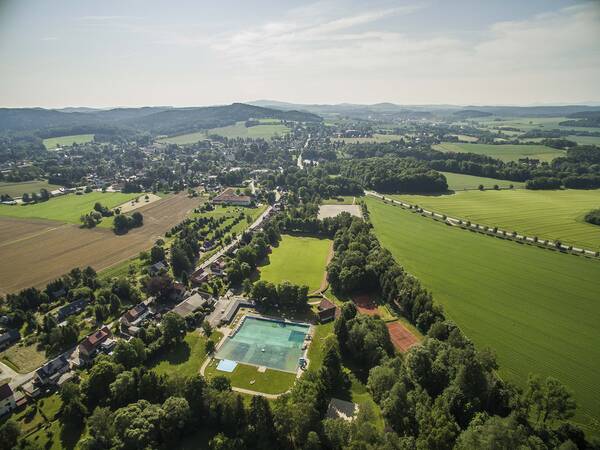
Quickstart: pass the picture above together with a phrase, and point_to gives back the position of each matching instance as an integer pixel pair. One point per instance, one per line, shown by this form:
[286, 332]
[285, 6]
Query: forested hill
[156, 120]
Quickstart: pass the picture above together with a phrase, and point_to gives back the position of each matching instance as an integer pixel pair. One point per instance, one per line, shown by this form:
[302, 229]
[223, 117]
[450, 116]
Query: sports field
[460, 182]
[538, 309]
[507, 152]
[18, 189]
[67, 208]
[298, 259]
[64, 141]
[545, 214]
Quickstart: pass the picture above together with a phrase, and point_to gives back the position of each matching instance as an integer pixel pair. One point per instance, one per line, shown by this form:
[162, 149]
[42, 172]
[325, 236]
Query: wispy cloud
[49, 38]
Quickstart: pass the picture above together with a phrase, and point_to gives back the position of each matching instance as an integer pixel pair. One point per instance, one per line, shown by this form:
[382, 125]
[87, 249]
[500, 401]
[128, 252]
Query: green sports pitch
[298, 259]
[537, 309]
[545, 214]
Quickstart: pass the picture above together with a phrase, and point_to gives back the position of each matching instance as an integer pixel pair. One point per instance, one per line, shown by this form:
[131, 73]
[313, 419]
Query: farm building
[229, 197]
[7, 399]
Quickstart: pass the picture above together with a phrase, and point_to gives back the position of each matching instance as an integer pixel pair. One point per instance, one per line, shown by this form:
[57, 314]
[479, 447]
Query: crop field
[300, 260]
[183, 139]
[258, 131]
[40, 251]
[529, 123]
[67, 208]
[18, 189]
[504, 152]
[545, 214]
[64, 141]
[377, 138]
[585, 140]
[538, 309]
[460, 182]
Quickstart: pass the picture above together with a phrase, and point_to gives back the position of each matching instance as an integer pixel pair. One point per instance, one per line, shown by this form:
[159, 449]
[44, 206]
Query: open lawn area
[537, 309]
[186, 358]
[529, 123]
[64, 141]
[23, 358]
[18, 189]
[248, 377]
[183, 139]
[298, 259]
[585, 140]
[266, 130]
[378, 138]
[545, 214]
[68, 208]
[460, 182]
[507, 152]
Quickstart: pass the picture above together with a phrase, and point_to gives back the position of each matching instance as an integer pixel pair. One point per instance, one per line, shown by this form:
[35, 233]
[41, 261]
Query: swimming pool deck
[229, 332]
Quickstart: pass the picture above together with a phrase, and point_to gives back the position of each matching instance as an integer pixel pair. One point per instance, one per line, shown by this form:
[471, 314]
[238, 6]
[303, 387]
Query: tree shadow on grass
[175, 355]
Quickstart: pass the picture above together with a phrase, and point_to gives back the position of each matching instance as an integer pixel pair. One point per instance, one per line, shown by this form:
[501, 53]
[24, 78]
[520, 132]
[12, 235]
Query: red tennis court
[365, 305]
[401, 337]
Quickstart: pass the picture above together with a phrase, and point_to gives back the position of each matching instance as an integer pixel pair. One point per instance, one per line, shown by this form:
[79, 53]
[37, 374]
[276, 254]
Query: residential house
[157, 268]
[229, 197]
[70, 309]
[7, 399]
[193, 303]
[8, 337]
[199, 276]
[327, 311]
[218, 267]
[50, 372]
[91, 344]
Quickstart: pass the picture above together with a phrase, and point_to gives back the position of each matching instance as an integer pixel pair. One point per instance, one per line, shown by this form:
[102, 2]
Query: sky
[191, 53]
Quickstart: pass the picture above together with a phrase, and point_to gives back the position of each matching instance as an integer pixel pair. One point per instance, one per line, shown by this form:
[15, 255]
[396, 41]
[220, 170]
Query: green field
[585, 140]
[248, 377]
[506, 152]
[266, 131]
[529, 123]
[67, 208]
[300, 260]
[460, 182]
[18, 189]
[537, 309]
[64, 141]
[545, 214]
[378, 138]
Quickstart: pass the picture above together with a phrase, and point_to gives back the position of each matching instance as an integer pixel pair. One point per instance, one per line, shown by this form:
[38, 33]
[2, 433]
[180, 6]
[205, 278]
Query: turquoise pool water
[268, 343]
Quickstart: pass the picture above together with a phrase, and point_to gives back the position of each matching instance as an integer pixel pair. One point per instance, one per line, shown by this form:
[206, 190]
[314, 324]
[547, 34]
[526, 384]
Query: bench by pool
[264, 342]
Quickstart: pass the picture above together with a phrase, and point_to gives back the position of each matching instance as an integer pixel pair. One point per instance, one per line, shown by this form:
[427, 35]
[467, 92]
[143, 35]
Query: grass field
[63, 141]
[507, 152]
[186, 358]
[18, 189]
[530, 123]
[537, 309]
[269, 382]
[545, 214]
[378, 138]
[67, 208]
[265, 131]
[585, 140]
[300, 260]
[23, 359]
[460, 182]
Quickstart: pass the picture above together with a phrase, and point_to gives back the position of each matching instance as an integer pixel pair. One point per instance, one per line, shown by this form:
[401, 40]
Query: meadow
[18, 189]
[67, 208]
[545, 214]
[503, 152]
[537, 309]
[298, 259]
[64, 141]
[377, 138]
[266, 130]
[529, 123]
[461, 182]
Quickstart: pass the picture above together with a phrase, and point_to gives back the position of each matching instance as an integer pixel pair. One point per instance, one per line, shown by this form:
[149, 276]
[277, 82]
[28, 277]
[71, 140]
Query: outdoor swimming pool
[263, 342]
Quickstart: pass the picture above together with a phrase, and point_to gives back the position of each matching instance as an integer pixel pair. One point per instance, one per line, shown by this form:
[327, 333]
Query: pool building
[262, 342]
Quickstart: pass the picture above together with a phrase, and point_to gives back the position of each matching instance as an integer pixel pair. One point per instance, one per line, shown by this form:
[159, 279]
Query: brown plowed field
[401, 337]
[34, 252]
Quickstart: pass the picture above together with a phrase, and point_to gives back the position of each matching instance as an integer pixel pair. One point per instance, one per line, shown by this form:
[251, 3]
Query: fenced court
[269, 343]
[365, 304]
[401, 337]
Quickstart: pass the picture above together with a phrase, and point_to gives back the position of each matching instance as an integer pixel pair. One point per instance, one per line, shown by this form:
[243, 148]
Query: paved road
[299, 162]
[462, 222]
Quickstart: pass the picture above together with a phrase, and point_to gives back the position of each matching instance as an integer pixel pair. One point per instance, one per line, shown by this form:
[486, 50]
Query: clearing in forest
[503, 152]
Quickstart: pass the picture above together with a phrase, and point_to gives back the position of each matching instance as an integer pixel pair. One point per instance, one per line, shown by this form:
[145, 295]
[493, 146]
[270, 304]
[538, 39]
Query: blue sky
[143, 52]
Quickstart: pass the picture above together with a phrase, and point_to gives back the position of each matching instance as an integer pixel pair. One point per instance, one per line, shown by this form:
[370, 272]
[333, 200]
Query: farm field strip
[19, 188]
[503, 152]
[61, 141]
[38, 257]
[461, 182]
[537, 309]
[554, 215]
[298, 259]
